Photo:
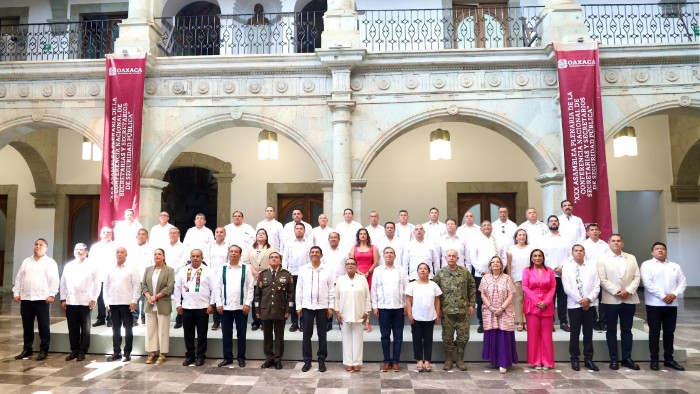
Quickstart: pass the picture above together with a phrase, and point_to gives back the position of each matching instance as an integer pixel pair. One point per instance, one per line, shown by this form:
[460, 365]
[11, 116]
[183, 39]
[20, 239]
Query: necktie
[273, 275]
[579, 284]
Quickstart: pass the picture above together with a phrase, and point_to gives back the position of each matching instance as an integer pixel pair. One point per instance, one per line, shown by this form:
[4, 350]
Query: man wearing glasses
[503, 231]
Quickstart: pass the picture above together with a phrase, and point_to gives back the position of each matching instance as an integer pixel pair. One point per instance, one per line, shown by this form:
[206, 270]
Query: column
[223, 198]
[327, 187]
[342, 163]
[357, 186]
[340, 25]
[149, 207]
[140, 33]
[562, 20]
[552, 184]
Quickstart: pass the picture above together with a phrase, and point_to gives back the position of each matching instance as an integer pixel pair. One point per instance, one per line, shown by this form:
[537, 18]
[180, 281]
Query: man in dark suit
[274, 294]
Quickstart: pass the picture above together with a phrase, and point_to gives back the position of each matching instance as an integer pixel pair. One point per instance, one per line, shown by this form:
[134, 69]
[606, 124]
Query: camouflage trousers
[452, 323]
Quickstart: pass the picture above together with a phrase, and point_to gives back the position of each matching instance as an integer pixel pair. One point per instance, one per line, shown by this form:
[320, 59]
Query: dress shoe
[654, 365]
[24, 354]
[255, 327]
[306, 367]
[328, 328]
[225, 363]
[42, 356]
[590, 365]
[188, 361]
[127, 358]
[267, 364]
[199, 362]
[600, 327]
[628, 363]
[114, 357]
[72, 356]
[673, 364]
[81, 357]
[241, 363]
[109, 323]
[614, 365]
[136, 323]
[565, 327]
[293, 327]
[301, 326]
[575, 365]
[216, 325]
[178, 324]
[480, 330]
[396, 368]
[278, 365]
[386, 367]
[321, 366]
[143, 322]
[98, 323]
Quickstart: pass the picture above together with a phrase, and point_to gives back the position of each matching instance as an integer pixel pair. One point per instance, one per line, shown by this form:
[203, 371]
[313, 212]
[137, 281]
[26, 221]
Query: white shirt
[104, 255]
[423, 302]
[154, 284]
[348, 234]
[397, 244]
[376, 234]
[80, 282]
[417, 253]
[125, 233]
[141, 256]
[482, 250]
[296, 254]
[388, 288]
[229, 296]
[160, 235]
[446, 243]
[557, 250]
[320, 237]
[519, 260]
[274, 232]
[335, 260]
[434, 231]
[122, 285]
[535, 232]
[176, 256]
[405, 233]
[288, 233]
[595, 250]
[503, 232]
[36, 279]
[661, 279]
[198, 238]
[243, 235]
[352, 298]
[315, 288]
[216, 255]
[186, 293]
[590, 283]
[467, 233]
[571, 227]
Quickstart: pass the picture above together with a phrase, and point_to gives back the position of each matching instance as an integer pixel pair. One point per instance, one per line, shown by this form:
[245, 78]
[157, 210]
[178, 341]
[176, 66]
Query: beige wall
[73, 169]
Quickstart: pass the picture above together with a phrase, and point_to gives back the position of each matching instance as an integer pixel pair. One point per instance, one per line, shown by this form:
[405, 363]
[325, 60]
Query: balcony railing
[449, 28]
[617, 24]
[58, 41]
[274, 33]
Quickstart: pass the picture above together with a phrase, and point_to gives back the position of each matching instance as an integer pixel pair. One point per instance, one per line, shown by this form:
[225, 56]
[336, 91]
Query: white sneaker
[502, 370]
[545, 368]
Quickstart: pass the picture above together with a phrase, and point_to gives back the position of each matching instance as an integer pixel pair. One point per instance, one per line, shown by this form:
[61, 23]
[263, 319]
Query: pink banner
[121, 173]
[583, 133]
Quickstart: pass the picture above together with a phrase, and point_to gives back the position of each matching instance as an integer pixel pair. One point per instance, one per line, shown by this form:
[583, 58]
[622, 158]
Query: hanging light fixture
[440, 145]
[91, 151]
[267, 145]
[625, 142]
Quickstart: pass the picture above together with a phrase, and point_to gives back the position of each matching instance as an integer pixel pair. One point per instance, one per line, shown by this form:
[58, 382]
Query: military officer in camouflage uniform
[274, 294]
[457, 305]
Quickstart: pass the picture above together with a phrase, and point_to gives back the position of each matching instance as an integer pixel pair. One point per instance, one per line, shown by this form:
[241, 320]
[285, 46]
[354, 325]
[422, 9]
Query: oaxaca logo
[563, 63]
[124, 70]
[112, 71]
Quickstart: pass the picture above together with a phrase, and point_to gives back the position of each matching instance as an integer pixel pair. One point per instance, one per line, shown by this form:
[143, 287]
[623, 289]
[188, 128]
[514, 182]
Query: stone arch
[44, 180]
[13, 128]
[159, 163]
[544, 160]
[689, 171]
[647, 111]
[172, 7]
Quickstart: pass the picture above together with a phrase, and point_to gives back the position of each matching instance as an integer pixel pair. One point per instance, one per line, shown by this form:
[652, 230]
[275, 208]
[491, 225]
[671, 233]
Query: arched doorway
[190, 190]
[310, 26]
[196, 30]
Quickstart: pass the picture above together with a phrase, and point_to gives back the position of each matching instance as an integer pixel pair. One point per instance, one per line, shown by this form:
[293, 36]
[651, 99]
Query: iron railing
[449, 28]
[58, 41]
[618, 24]
[273, 33]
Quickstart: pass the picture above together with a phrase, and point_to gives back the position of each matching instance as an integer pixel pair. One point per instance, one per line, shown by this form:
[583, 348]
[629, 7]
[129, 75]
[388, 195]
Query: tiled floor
[96, 376]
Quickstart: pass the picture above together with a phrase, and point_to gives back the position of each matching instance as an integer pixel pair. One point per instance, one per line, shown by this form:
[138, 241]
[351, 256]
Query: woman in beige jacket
[157, 286]
[258, 259]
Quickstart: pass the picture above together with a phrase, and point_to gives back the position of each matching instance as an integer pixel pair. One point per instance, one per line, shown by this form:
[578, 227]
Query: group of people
[511, 276]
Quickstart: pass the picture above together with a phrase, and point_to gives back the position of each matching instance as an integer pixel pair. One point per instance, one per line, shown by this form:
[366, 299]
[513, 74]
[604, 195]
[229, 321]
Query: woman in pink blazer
[539, 287]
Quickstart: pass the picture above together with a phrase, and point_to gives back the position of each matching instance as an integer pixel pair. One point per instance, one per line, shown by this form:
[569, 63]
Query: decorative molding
[23, 91]
[612, 76]
[203, 87]
[3, 91]
[411, 82]
[151, 88]
[71, 89]
[309, 85]
[236, 113]
[228, 87]
[641, 76]
[356, 84]
[254, 87]
[94, 89]
[47, 91]
[550, 78]
[466, 81]
[685, 193]
[684, 101]
[178, 88]
[281, 86]
[522, 79]
[671, 75]
[383, 83]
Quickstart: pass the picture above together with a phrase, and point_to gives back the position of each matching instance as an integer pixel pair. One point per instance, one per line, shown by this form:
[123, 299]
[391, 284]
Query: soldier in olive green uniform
[457, 305]
[274, 293]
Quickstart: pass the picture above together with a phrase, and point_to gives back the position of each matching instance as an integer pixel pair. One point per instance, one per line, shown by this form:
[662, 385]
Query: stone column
[342, 163]
[140, 33]
[357, 186]
[562, 20]
[552, 184]
[149, 209]
[327, 187]
[340, 27]
[223, 198]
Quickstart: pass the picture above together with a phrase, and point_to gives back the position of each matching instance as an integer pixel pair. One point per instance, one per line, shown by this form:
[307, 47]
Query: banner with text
[121, 172]
[583, 133]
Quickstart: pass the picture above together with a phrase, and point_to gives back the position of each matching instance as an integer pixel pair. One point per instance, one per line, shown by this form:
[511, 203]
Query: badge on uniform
[260, 284]
[283, 280]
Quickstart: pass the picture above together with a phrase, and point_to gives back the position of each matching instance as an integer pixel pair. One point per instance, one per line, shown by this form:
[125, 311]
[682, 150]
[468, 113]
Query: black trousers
[625, 313]
[423, 340]
[579, 318]
[227, 320]
[102, 314]
[561, 302]
[659, 317]
[216, 316]
[309, 316]
[601, 311]
[39, 310]
[273, 339]
[195, 319]
[293, 309]
[253, 311]
[479, 301]
[78, 319]
[121, 316]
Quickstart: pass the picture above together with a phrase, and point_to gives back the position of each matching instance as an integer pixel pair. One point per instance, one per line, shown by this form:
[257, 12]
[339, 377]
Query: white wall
[39, 10]
[73, 170]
